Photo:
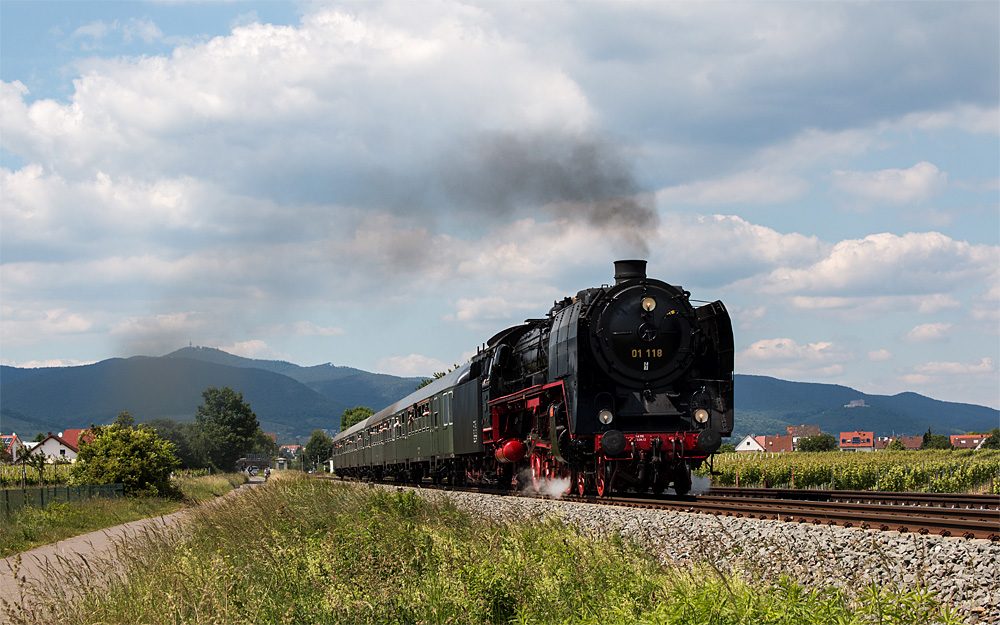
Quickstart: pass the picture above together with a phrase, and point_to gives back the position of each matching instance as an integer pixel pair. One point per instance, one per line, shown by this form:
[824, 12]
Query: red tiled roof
[72, 437]
[857, 439]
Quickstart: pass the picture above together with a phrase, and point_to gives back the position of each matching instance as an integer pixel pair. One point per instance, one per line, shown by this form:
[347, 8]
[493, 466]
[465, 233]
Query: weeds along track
[943, 514]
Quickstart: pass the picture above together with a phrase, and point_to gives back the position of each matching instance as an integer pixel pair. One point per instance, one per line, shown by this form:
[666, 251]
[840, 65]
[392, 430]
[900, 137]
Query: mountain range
[292, 401]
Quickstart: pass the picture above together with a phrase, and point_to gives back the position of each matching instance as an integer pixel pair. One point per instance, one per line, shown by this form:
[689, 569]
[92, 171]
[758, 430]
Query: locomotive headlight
[605, 416]
[648, 304]
[701, 415]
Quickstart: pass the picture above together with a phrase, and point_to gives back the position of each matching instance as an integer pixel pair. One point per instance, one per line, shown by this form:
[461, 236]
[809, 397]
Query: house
[749, 443]
[968, 441]
[801, 431]
[857, 441]
[775, 444]
[10, 443]
[292, 451]
[910, 442]
[54, 449]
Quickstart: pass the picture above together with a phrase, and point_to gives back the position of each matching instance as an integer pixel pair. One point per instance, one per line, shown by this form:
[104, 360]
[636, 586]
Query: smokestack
[629, 270]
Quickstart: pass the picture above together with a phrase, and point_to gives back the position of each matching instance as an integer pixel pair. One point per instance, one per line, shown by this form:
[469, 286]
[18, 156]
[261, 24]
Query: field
[952, 471]
[313, 551]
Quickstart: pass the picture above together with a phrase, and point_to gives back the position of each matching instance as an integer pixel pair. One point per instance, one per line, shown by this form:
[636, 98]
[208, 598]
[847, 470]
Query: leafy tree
[726, 448]
[820, 442]
[228, 427]
[319, 447]
[935, 441]
[265, 445]
[896, 445]
[354, 415]
[186, 439]
[137, 458]
[124, 419]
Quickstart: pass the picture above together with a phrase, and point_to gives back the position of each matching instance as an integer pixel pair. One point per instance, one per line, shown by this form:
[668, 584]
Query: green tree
[137, 458]
[124, 419]
[354, 415]
[820, 442]
[265, 445]
[935, 441]
[185, 438]
[319, 447]
[726, 448]
[228, 427]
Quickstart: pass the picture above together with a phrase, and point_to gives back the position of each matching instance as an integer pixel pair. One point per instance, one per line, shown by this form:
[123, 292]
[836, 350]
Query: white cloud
[968, 117]
[254, 348]
[40, 364]
[748, 187]
[879, 355]
[914, 263]
[785, 357]
[929, 332]
[413, 365]
[986, 365]
[898, 186]
[25, 326]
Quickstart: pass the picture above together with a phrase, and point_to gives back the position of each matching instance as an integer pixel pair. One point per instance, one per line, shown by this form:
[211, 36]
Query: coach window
[435, 408]
[447, 408]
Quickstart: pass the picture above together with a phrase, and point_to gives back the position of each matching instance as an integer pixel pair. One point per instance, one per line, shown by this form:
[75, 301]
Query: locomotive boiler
[621, 387]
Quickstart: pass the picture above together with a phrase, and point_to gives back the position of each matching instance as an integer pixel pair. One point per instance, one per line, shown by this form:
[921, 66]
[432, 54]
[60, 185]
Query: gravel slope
[964, 573]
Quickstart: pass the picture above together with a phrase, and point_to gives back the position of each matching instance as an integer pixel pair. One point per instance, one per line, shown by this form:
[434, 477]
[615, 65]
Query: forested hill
[292, 400]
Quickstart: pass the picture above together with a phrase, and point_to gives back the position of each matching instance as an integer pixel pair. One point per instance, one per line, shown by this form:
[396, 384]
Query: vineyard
[52, 474]
[935, 471]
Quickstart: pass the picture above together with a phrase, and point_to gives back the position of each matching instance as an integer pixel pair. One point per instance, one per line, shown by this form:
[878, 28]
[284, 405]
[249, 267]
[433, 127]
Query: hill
[55, 399]
[292, 400]
[767, 405]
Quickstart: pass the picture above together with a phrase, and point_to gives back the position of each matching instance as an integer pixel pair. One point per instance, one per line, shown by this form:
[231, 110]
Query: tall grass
[311, 551]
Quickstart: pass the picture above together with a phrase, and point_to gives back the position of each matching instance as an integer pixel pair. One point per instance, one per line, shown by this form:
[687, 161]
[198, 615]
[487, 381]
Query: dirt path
[30, 576]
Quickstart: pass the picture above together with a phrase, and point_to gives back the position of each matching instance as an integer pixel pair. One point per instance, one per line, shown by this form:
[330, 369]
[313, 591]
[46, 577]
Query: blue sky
[386, 185]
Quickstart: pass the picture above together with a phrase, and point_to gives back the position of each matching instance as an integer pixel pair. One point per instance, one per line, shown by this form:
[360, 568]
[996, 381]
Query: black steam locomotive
[620, 387]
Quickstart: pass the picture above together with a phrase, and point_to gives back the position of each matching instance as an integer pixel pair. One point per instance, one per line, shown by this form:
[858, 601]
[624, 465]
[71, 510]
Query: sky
[385, 185]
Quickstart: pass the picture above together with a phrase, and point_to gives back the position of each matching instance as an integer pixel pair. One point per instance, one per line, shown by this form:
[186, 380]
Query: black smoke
[572, 177]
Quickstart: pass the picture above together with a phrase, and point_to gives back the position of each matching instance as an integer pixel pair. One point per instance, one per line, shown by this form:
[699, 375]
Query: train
[623, 387]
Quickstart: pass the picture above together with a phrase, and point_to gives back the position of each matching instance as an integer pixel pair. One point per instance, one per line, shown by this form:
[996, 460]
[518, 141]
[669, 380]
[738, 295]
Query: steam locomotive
[623, 387]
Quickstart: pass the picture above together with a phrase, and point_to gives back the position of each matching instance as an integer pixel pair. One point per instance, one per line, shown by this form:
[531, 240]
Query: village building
[776, 444]
[55, 449]
[857, 441]
[910, 442]
[968, 441]
[10, 443]
[749, 443]
[801, 431]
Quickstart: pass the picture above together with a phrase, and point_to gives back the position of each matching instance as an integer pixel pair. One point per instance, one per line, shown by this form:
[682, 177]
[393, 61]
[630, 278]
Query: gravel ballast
[963, 572]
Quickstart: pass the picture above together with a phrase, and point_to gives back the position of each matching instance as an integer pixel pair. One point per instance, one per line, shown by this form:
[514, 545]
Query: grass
[32, 527]
[311, 551]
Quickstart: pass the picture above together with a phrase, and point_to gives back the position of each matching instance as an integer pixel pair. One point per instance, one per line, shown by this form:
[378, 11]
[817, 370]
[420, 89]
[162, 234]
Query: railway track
[968, 518]
[944, 514]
